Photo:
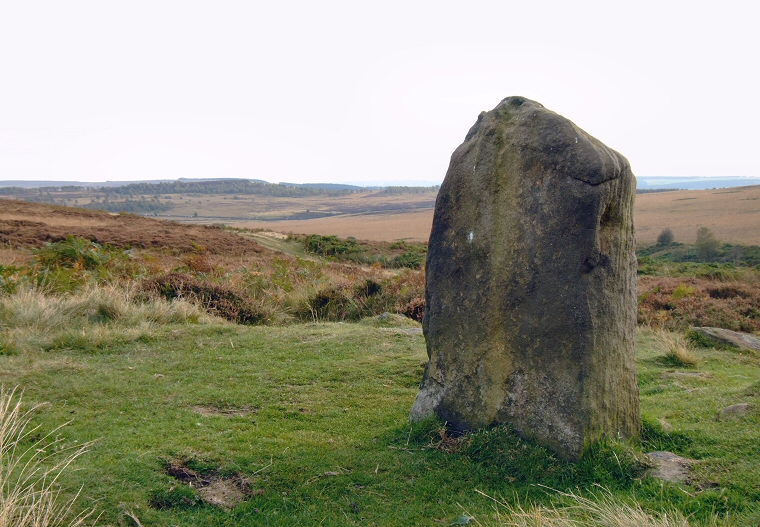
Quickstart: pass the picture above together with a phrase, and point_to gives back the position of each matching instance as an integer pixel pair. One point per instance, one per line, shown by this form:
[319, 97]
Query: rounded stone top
[550, 140]
[517, 101]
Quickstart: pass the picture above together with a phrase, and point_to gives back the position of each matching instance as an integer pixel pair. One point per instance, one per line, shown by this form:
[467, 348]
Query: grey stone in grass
[727, 336]
[734, 411]
[530, 310]
[669, 467]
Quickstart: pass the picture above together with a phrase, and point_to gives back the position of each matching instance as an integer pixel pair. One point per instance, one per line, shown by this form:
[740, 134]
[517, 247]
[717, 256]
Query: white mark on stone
[576, 140]
[471, 236]
[474, 167]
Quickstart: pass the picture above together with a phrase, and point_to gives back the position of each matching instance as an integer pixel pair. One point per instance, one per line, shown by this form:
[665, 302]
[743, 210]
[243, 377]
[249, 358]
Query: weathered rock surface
[669, 467]
[732, 338]
[531, 284]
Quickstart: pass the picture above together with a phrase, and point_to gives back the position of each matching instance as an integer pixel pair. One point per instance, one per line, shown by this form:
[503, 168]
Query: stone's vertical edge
[530, 292]
[441, 258]
[611, 393]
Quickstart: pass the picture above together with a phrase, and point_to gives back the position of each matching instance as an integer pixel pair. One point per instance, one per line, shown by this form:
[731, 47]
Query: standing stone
[530, 310]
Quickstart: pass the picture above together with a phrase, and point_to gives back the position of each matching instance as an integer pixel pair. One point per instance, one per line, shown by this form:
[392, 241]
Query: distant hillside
[644, 183]
[694, 183]
[732, 213]
[329, 186]
[57, 184]
[24, 224]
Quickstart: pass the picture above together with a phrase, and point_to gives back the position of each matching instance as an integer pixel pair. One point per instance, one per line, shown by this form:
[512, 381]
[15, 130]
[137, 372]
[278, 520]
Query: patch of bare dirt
[227, 411]
[216, 490]
[670, 467]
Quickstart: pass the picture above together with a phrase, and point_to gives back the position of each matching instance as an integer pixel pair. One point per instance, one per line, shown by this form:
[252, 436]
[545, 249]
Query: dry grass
[30, 319]
[30, 469]
[600, 510]
[676, 349]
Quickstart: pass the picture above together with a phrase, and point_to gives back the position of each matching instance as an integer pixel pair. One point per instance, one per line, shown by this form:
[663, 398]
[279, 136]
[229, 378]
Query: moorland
[225, 376]
[381, 214]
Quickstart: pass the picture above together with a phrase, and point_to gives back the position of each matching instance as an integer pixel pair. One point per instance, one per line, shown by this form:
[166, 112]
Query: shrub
[72, 253]
[225, 302]
[677, 304]
[331, 245]
[198, 263]
[409, 259]
[333, 303]
[666, 237]
[71, 263]
[707, 245]
[10, 278]
[682, 291]
[415, 308]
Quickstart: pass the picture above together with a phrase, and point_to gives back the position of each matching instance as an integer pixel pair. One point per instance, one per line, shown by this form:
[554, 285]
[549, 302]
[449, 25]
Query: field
[391, 214]
[733, 214]
[234, 201]
[413, 226]
[237, 377]
[307, 425]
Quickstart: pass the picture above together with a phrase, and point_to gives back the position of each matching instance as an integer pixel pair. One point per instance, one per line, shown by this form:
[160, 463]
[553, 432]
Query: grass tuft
[176, 497]
[655, 437]
[29, 471]
[676, 349]
[93, 317]
[600, 509]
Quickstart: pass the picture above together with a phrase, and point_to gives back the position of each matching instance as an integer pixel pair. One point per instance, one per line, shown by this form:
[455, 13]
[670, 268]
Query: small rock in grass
[733, 411]
[669, 467]
[464, 519]
[732, 338]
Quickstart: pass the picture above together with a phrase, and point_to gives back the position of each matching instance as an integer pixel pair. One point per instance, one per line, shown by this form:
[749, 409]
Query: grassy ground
[314, 419]
[307, 423]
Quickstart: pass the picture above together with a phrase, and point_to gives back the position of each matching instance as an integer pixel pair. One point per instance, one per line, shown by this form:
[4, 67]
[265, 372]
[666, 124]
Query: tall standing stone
[530, 310]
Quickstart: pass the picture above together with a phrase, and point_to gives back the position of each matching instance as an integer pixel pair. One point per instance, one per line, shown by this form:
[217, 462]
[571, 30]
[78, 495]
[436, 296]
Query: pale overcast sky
[365, 92]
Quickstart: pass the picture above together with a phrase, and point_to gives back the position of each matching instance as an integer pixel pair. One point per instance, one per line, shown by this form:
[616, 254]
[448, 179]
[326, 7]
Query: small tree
[666, 237]
[737, 253]
[707, 244]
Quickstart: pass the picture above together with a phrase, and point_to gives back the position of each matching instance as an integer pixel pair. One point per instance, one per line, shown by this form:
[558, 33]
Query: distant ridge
[93, 184]
[329, 186]
[644, 183]
[694, 183]
[206, 179]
